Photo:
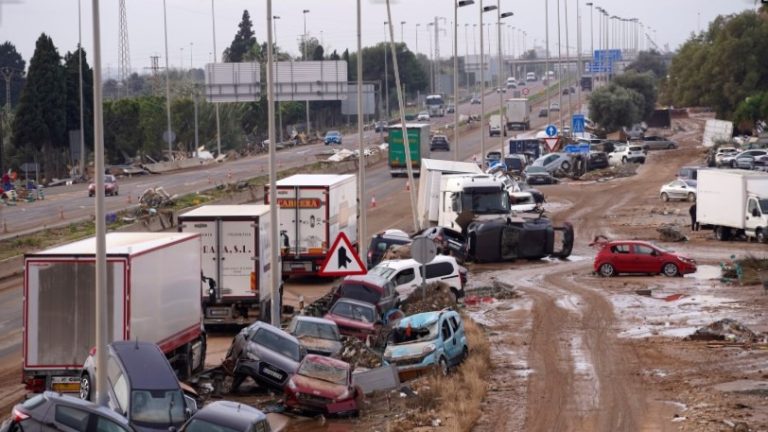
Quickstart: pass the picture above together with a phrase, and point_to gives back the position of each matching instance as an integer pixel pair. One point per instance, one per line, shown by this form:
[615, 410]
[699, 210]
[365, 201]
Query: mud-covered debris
[438, 296]
[396, 252]
[671, 233]
[358, 354]
[319, 307]
[727, 330]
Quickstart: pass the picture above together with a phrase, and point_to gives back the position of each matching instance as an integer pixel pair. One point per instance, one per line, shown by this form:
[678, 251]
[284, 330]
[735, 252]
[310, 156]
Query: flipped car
[332, 137]
[323, 384]
[316, 335]
[508, 239]
[427, 341]
[264, 353]
[633, 256]
[111, 187]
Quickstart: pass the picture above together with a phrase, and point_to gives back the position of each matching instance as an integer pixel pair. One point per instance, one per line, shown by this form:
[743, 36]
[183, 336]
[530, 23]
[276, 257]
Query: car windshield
[406, 335]
[277, 343]
[198, 425]
[353, 311]
[763, 205]
[333, 133]
[324, 372]
[359, 292]
[691, 183]
[157, 408]
[109, 179]
[382, 270]
[316, 330]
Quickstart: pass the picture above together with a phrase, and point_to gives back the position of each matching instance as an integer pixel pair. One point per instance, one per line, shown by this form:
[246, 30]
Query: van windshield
[359, 292]
[407, 335]
[157, 408]
[382, 270]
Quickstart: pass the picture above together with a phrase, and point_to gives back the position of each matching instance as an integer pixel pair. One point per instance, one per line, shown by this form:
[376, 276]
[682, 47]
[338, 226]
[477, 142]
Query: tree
[310, 45]
[318, 53]
[12, 62]
[529, 55]
[642, 83]
[71, 66]
[649, 61]
[334, 56]
[614, 106]
[40, 123]
[243, 42]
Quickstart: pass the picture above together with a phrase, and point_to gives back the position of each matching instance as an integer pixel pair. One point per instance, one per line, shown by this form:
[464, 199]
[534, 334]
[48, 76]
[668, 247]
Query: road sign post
[551, 130]
[423, 250]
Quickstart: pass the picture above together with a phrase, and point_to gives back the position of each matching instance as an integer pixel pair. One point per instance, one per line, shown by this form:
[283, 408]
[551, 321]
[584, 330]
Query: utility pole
[306, 57]
[215, 57]
[167, 87]
[546, 63]
[81, 161]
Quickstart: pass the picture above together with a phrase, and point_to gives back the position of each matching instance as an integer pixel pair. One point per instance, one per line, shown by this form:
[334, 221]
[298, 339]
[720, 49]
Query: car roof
[146, 366]
[372, 279]
[269, 327]
[333, 132]
[231, 414]
[638, 242]
[60, 398]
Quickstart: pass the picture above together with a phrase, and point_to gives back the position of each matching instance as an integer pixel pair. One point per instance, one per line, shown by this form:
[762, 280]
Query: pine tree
[243, 42]
[71, 65]
[11, 59]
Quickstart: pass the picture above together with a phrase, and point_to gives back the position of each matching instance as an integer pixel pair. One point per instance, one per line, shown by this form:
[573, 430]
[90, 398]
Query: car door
[459, 336]
[443, 272]
[405, 281]
[621, 257]
[647, 259]
[676, 189]
[450, 344]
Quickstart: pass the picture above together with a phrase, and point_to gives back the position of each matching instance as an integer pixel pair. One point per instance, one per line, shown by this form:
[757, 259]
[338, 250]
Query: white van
[530, 76]
[406, 274]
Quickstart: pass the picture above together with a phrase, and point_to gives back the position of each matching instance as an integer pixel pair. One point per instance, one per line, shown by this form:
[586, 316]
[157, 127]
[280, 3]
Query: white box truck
[236, 261]
[153, 290]
[497, 124]
[518, 114]
[732, 203]
[314, 210]
[432, 172]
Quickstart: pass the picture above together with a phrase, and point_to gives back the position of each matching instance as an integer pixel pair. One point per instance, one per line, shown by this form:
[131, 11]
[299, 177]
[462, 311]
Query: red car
[354, 318]
[323, 384]
[640, 257]
[110, 186]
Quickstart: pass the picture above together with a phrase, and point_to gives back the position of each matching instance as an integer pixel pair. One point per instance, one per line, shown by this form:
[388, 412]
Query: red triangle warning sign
[342, 259]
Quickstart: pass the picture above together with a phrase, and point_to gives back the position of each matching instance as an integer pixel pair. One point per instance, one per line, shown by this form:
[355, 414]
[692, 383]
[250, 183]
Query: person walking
[692, 212]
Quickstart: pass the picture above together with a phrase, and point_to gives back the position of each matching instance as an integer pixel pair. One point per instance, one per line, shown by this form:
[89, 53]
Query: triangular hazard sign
[551, 143]
[342, 259]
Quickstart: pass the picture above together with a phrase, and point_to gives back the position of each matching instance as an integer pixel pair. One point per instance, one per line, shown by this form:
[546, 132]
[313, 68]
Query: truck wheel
[670, 270]
[607, 270]
[85, 387]
[185, 363]
[721, 233]
[691, 197]
[664, 197]
[760, 234]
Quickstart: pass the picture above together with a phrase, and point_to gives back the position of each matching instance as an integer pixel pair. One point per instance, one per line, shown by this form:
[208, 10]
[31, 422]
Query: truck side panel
[720, 198]
[418, 142]
[165, 295]
[59, 304]
[238, 250]
[304, 226]
[263, 260]
[343, 211]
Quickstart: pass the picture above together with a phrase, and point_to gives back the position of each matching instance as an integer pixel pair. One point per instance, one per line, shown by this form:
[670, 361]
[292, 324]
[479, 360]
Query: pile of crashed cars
[310, 361]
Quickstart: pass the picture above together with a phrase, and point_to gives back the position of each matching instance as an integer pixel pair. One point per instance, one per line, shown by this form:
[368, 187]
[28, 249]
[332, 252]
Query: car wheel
[85, 387]
[565, 165]
[116, 192]
[670, 270]
[624, 160]
[670, 147]
[664, 197]
[90, 195]
[464, 354]
[733, 164]
[691, 197]
[607, 270]
[721, 233]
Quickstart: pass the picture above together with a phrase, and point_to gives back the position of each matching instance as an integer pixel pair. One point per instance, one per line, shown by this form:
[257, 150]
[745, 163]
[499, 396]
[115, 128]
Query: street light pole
[386, 73]
[456, 7]
[361, 211]
[591, 43]
[279, 103]
[167, 89]
[502, 123]
[559, 71]
[417, 38]
[546, 63]
[402, 38]
[274, 227]
[306, 105]
[482, 89]
[215, 57]
[80, 81]
[466, 58]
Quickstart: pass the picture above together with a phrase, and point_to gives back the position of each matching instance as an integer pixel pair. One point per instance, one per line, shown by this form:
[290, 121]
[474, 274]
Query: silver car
[679, 189]
[316, 335]
[265, 353]
[553, 162]
[746, 159]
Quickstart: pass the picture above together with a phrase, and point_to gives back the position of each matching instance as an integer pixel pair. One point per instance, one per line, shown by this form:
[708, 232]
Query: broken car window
[408, 334]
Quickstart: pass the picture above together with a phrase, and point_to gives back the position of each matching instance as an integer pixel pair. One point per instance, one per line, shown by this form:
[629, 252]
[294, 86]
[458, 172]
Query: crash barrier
[161, 167]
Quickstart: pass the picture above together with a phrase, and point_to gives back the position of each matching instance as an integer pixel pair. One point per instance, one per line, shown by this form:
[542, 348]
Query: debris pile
[498, 290]
[670, 233]
[396, 252]
[438, 296]
[727, 330]
[155, 198]
[319, 307]
[358, 354]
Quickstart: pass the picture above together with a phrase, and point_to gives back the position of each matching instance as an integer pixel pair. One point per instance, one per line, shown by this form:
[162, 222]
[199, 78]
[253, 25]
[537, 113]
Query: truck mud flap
[567, 235]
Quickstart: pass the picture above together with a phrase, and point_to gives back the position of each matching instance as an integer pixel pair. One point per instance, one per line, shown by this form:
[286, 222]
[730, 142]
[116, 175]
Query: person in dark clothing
[692, 212]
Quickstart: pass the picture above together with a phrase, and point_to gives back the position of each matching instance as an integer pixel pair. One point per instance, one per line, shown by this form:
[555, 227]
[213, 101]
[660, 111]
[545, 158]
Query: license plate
[65, 384]
[273, 373]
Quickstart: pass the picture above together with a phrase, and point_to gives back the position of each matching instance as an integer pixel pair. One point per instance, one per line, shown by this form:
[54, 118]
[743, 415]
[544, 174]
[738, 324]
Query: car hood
[416, 349]
[318, 387]
[320, 345]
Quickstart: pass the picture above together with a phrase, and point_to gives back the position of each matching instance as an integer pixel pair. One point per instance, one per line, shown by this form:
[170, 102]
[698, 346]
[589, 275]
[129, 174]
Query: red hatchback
[323, 384]
[640, 257]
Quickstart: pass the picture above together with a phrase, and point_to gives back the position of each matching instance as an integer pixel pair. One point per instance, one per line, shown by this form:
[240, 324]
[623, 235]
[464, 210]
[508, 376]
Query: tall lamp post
[386, 74]
[417, 38]
[483, 9]
[306, 57]
[502, 123]
[591, 42]
[402, 38]
[279, 104]
[169, 133]
[215, 55]
[362, 225]
[456, 7]
[273, 234]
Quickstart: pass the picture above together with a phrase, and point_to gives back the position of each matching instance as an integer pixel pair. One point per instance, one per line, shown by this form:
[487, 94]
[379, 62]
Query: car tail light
[18, 415]
[34, 384]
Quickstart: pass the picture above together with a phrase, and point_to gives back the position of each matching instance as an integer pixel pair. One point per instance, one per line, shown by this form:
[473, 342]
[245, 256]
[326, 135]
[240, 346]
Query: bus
[435, 105]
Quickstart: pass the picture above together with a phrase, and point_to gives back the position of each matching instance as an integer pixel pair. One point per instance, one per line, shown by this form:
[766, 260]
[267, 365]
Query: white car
[631, 153]
[679, 190]
[405, 274]
[553, 162]
[554, 107]
[724, 155]
[423, 116]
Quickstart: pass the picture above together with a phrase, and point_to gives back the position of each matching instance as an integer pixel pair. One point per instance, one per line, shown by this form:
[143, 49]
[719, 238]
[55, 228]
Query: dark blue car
[333, 137]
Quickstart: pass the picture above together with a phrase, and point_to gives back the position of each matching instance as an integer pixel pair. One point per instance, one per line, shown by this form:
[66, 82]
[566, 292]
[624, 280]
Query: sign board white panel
[233, 82]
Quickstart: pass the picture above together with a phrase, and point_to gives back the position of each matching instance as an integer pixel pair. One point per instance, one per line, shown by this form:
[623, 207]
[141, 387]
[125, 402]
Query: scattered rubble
[670, 233]
[498, 290]
[727, 330]
[438, 296]
[156, 197]
[396, 252]
[358, 354]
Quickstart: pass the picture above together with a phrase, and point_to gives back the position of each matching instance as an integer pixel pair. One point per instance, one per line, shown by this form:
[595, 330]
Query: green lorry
[418, 142]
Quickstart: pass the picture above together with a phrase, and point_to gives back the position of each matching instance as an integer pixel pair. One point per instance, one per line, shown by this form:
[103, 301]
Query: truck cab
[756, 218]
[465, 198]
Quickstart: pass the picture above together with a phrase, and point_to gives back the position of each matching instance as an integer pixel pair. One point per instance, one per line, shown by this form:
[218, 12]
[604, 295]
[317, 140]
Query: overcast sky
[332, 21]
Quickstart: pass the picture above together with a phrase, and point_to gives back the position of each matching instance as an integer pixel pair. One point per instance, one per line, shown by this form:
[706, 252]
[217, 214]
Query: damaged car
[355, 318]
[427, 341]
[511, 238]
[316, 335]
[266, 354]
[324, 385]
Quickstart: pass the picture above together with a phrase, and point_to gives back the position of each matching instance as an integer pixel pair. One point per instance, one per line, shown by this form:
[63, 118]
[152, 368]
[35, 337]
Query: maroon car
[323, 384]
[355, 318]
[110, 186]
[631, 256]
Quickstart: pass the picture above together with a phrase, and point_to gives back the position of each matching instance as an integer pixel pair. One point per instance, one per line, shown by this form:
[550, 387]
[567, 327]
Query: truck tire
[722, 233]
[691, 197]
[760, 235]
[185, 362]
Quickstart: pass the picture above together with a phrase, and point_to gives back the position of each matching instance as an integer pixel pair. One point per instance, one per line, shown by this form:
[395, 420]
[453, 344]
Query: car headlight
[428, 349]
[347, 393]
[292, 385]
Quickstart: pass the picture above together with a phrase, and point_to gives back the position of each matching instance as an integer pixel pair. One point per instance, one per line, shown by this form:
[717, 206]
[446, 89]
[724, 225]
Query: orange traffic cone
[407, 186]
[373, 201]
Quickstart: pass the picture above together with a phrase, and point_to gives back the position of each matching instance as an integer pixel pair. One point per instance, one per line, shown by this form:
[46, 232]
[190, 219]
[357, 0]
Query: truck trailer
[153, 295]
[518, 114]
[314, 210]
[418, 142]
[236, 261]
[733, 203]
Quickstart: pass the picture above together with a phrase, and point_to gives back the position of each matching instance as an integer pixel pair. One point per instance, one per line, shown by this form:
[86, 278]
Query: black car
[382, 241]
[227, 416]
[448, 241]
[51, 411]
[543, 112]
[598, 160]
[380, 126]
[439, 142]
[504, 240]
[538, 176]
